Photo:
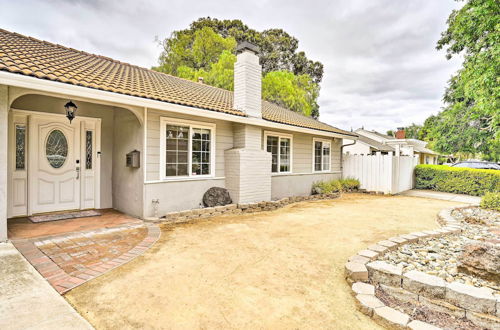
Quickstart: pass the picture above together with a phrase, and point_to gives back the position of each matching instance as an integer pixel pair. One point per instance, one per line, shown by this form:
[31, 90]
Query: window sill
[196, 178]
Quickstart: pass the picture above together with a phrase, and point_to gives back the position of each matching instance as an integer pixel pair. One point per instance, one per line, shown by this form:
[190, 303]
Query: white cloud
[381, 66]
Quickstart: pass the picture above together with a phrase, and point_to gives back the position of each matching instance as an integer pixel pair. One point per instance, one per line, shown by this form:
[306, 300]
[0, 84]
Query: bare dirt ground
[279, 269]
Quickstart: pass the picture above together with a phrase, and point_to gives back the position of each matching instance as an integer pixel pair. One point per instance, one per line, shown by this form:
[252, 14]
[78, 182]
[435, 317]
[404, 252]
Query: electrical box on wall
[134, 159]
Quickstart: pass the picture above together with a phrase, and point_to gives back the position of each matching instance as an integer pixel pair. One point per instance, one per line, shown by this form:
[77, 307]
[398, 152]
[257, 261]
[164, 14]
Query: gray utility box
[134, 159]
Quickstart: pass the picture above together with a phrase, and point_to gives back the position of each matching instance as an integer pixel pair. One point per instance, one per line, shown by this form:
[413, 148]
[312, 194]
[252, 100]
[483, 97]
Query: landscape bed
[446, 278]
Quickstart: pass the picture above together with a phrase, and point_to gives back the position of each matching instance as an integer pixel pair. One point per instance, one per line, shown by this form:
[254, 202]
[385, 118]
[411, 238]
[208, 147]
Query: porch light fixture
[70, 110]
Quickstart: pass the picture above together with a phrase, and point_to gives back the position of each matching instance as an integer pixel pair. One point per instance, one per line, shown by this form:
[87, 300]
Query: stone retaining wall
[478, 305]
[206, 212]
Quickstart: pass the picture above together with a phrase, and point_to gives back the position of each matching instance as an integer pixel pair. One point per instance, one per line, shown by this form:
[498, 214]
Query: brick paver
[69, 260]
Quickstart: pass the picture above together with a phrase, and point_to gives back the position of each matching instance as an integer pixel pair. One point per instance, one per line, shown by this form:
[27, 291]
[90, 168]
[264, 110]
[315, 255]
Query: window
[280, 147]
[56, 148]
[187, 149]
[88, 150]
[20, 147]
[321, 155]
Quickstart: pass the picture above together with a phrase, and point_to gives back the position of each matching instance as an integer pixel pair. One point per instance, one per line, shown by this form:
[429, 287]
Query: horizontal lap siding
[224, 141]
[303, 151]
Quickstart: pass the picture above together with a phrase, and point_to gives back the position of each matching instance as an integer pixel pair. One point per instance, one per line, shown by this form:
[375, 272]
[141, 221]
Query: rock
[479, 300]
[384, 273]
[442, 306]
[216, 196]
[356, 271]
[391, 318]
[423, 284]
[419, 325]
[481, 259]
[363, 288]
[367, 303]
[484, 321]
[400, 294]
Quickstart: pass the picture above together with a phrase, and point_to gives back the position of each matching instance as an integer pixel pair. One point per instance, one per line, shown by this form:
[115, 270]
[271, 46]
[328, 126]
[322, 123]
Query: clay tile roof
[32, 57]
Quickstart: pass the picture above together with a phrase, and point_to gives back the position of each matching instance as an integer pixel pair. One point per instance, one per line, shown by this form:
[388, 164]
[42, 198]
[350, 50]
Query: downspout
[342, 156]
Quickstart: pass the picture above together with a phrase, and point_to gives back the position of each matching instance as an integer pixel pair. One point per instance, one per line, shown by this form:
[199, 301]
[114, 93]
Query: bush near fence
[457, 180]
[491, 200]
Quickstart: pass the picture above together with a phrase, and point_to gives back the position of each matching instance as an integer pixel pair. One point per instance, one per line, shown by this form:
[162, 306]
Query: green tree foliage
[470, 122]
[206, 49]
[296, 92]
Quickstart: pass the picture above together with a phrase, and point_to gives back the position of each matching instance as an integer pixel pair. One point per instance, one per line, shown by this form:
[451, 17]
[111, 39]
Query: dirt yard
[279, 269]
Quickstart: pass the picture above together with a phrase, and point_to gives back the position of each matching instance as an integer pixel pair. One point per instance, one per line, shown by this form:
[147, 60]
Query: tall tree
[470, 122]
[206, 49]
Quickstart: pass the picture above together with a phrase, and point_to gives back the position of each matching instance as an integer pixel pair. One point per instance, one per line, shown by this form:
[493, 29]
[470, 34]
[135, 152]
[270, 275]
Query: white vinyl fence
[382, 173]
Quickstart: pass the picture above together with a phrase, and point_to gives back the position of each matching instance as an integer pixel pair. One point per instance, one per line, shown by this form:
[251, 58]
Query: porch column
[4, 111]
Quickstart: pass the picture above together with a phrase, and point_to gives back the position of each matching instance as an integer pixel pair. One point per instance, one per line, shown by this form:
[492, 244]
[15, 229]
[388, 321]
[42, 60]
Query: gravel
[438, 256]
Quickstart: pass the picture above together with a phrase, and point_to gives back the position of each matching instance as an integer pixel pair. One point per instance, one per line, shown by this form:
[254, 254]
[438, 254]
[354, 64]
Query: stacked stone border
[206, 212]
[364, 273]
[63, 282]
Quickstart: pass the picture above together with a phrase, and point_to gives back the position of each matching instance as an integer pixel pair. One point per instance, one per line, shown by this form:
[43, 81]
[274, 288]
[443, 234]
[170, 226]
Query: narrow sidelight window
[88, 150]
[20, 147]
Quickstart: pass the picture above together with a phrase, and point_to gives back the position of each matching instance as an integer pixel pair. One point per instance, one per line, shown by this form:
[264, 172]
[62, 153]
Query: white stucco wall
[297, 185]
[127, 182]
[4, 111]
[359, 148]
[177, 195]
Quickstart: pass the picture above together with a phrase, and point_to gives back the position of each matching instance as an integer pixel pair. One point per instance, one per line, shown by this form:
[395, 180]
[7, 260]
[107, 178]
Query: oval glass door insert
[56, 148]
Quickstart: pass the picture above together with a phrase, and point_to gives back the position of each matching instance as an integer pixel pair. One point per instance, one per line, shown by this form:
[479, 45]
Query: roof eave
[56, 87]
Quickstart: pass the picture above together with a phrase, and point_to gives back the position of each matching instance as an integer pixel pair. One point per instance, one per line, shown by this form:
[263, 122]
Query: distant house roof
[32, 57]
[424, 150]
[375, 144]
[388, 137]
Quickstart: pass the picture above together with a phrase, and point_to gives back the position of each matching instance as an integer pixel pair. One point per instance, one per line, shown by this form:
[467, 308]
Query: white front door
[54, 164]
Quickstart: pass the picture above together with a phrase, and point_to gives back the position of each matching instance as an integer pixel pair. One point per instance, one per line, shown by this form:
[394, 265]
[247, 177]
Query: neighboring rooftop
[44, 60]
[375, 144]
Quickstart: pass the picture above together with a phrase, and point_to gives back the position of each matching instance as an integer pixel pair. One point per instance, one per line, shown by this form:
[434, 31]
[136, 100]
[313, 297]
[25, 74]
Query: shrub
[327, 187]
[458, 180]
[349, 184]
[491, 200]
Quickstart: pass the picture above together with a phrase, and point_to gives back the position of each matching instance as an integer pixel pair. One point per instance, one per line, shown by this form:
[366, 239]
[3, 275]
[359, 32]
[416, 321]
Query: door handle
[78, 172]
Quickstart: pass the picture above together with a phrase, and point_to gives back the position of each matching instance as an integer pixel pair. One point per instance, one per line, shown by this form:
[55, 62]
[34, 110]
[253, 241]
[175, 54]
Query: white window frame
[330, 142]
[280, 135]
[164, 121]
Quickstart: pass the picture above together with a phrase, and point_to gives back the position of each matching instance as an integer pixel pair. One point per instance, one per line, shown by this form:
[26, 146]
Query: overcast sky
[381, 66]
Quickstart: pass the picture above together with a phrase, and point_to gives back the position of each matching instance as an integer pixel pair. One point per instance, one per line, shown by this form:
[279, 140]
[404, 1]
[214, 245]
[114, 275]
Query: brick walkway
[69, 260]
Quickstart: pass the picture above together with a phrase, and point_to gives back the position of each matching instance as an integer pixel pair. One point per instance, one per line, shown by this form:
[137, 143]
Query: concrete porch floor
[23, 228]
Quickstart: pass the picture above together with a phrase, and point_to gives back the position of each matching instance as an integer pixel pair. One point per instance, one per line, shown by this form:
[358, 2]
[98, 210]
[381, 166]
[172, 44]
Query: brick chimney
[400, 133]
[248, 80]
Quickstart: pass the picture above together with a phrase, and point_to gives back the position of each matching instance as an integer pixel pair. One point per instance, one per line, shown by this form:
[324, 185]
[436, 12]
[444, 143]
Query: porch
[53, 164]
[67, 253]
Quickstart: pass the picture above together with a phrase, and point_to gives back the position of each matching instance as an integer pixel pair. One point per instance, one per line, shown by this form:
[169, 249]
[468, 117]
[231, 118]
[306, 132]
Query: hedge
[457, 180]
[491, 201]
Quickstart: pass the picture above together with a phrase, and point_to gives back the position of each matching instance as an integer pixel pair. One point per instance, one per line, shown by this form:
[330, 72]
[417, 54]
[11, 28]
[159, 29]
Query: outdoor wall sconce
[70, 110]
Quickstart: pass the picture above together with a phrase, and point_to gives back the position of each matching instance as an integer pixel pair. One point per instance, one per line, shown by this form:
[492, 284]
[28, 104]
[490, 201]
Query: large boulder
[216, 196]
[481, 259]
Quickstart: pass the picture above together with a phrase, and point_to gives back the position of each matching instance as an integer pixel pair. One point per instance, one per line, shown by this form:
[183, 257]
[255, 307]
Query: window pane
[326, 156]
[56, 148]
[182, 169]
[284, 155]
[317, 155]
[88, 150]
[272, 147]
[200, 157]
[205, 169]
[20, 147]
[177, 150]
